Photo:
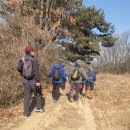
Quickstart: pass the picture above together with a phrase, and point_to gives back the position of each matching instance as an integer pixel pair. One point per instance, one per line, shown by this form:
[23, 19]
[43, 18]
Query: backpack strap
[23, 59]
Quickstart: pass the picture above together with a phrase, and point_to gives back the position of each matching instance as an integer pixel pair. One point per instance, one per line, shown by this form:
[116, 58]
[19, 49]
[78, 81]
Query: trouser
[63, 85]
[56, 91]
[74, 87]
[89, 90]
[81, 88]
[89, 87]
[27, 97]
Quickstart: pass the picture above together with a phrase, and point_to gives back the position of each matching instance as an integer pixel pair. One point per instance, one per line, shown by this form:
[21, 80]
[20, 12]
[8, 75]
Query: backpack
[27, 68]
[57, 74]
[75, 75]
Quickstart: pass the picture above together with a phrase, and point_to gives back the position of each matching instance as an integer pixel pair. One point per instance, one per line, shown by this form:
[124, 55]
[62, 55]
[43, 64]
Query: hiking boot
[25, 117]
[91, 94]
[71, 100]
[80, 95]
[87, 93]
[39, 110]
[55, 101]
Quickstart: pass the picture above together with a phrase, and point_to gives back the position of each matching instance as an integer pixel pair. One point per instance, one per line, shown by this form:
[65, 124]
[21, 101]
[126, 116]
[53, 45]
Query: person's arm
[63, 73]
[83, 72]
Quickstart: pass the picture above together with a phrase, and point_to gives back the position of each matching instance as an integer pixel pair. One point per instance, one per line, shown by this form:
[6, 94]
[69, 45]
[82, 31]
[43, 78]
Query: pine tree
[91, 29]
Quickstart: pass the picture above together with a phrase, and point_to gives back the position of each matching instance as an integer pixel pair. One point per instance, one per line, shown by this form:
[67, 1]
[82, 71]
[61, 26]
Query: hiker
[58, 75]
[77, 76]
[28, 68]
[90, 84]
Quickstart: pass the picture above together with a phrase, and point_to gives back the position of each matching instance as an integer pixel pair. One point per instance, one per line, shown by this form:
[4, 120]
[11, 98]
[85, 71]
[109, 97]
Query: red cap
[29, 48]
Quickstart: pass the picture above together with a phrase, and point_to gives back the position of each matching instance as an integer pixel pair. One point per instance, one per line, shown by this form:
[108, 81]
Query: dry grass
[110, 105]
[112, 102]
[9, 77]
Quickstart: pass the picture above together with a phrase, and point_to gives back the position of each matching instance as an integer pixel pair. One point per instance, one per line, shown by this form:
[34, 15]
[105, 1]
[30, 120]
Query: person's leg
[53, 90]
[81, 89]
[71, 94]
[39, 104]
[91, 91]
[57, 91]
[87, 89]
[77, 92]
[63, 85]
[27, 98]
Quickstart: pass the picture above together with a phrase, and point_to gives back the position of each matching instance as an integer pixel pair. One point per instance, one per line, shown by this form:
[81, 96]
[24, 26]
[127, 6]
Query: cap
[78, 62]
[29, 48]
[60, 60]
[90, 68]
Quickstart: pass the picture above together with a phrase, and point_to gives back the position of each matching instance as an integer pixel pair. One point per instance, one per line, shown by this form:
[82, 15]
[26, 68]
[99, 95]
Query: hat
[60, 60]
[90, 68]
[78, 62]
[29, 48]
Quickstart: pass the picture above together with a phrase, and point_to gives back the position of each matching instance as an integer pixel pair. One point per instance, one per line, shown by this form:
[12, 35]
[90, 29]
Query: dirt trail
[58, 116]
[109, 110]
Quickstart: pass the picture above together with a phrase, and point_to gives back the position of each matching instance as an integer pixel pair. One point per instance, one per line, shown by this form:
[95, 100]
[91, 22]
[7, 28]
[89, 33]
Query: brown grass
[112, 102]
[9, 78]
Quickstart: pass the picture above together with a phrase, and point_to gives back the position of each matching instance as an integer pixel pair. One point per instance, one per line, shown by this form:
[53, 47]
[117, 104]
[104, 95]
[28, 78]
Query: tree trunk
[41, 15]
[47, 15]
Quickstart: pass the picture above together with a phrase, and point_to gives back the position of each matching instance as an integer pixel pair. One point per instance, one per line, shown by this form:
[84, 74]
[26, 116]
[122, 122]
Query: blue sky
[116, 11]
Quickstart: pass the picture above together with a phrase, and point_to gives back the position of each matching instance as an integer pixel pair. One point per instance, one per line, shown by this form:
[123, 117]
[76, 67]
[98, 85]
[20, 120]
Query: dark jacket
[35, 67]
[63, 77]
[92, 77]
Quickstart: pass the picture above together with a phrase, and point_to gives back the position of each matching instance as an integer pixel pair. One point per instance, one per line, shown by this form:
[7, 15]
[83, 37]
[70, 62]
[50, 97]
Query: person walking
[28, 68]
[77, 76]
[58, 77]
[90, 84]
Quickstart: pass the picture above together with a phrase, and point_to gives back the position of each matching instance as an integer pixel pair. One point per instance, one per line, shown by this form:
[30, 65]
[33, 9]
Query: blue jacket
[63, 77]
[92, 77]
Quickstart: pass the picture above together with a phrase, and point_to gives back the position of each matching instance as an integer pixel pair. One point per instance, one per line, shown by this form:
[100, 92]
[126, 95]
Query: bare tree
[117, 57]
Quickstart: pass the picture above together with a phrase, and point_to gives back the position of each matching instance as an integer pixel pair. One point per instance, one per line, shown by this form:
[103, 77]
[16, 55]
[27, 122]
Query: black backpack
[57, 74]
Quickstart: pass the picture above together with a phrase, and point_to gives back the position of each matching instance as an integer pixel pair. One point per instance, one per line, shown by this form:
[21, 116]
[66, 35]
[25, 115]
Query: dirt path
[109, 110]
[58, 116]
